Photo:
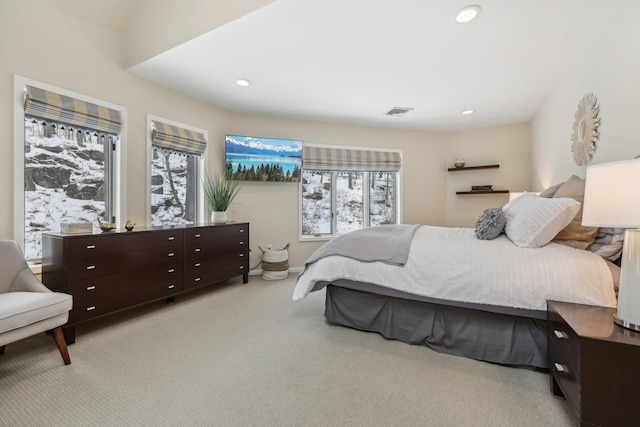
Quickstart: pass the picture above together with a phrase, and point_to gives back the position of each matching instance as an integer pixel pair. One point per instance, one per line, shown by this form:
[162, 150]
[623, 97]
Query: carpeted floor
[246, 355]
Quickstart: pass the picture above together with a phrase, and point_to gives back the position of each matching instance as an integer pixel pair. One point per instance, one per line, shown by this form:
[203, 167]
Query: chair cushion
[18, 309]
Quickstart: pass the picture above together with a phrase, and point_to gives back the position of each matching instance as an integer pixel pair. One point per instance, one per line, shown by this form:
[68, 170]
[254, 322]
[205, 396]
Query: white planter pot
[218, 217]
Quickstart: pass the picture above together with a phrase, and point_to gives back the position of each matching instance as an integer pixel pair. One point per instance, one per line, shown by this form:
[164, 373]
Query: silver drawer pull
[560, 368]
[197, 249]
[559, 334]
[242, 230]
[171, 238]
[197, 264]
[90, 288]
[197, 236]
[91, 267]
[93, 307]
[91, 246]
[242, 243]
[172, 286]
[241, 255]
[171, 254]
[171, 270]
[197, 279]
[241, 267]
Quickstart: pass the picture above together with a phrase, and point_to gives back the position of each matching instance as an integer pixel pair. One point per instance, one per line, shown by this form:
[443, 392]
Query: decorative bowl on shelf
[482, 188]
[459, 163]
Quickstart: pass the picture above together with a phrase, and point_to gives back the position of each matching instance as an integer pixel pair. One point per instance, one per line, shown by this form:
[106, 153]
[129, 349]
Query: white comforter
[451, 264]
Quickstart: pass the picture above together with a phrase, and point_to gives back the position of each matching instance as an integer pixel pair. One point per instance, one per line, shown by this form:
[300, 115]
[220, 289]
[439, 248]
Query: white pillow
[533, 221]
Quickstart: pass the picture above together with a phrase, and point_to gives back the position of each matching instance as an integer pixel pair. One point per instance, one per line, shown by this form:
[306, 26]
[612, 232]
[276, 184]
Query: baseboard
[258, 271]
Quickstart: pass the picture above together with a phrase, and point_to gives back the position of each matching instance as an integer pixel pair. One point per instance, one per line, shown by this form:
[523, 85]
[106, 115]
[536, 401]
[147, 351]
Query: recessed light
[243, 82]
[467, 14]
[468, 112]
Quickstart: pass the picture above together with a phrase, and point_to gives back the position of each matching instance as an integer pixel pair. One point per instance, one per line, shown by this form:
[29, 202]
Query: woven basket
[275, 263]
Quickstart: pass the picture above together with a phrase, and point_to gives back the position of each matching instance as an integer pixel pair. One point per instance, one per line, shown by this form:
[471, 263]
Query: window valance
[349, 159]
[44, 104]
[175, 138]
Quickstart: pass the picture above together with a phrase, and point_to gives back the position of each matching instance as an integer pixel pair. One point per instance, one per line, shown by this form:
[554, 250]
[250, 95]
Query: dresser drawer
[563, 341]
[566, 370]
[103, 244]
[204, 276]
[91, 267]
[98, 306]
[197, 265]
[217, 232]
[109, 284]
[213, 249]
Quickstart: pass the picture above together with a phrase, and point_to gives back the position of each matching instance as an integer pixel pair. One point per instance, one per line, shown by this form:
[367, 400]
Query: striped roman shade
[174, 138]
[44, 104]
[349, 159]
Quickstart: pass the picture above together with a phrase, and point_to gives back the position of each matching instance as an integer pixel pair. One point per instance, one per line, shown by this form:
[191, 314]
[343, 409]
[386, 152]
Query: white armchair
[27, 307]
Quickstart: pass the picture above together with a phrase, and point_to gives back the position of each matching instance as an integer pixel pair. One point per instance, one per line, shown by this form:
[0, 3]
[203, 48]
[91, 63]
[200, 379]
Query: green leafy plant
[220, 190]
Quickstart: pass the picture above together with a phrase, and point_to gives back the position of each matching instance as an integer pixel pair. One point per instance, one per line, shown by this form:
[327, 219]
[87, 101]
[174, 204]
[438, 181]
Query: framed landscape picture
[249, 158]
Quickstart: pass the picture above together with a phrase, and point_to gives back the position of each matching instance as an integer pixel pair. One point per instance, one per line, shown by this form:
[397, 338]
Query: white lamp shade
[612, 195]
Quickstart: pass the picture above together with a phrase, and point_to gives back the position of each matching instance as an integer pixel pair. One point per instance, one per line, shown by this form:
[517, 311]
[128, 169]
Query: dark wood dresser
[112, 271]
[594, 364]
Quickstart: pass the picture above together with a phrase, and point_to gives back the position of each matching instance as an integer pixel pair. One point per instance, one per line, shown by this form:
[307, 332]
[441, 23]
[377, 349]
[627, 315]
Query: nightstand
[594, 364]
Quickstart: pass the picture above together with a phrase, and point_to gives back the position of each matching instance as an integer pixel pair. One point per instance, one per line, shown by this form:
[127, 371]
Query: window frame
[365, 199]
[119, 158]
[200, 166]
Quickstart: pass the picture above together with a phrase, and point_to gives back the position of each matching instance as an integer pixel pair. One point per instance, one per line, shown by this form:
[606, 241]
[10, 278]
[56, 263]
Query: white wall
[609, 67]
[508, 146]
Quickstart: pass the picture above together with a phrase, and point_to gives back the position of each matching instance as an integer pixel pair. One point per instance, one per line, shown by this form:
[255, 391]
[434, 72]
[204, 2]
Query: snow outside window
[338, 202]
[66, 173]
[174, 182]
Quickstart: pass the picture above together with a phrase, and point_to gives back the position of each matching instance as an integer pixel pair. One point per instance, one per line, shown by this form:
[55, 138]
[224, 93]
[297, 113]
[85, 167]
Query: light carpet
[247, 355]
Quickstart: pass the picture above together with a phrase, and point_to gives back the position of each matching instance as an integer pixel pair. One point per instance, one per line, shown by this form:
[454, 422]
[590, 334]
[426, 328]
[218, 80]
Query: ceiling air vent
[398, 111]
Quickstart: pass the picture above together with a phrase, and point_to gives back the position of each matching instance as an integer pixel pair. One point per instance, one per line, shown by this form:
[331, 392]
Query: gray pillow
[490, 224]
[608, 243]
[549, 192]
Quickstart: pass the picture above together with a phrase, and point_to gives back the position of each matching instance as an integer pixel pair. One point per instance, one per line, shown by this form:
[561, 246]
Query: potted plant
[220, 190]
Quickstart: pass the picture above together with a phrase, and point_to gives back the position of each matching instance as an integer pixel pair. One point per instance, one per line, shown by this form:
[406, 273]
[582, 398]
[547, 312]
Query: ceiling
[352, 61]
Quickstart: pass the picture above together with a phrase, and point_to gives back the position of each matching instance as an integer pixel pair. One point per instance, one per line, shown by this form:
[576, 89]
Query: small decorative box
[482, 188]
[76, 227]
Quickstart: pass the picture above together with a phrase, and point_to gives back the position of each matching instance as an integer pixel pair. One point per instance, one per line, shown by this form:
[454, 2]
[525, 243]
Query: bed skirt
[481, 335]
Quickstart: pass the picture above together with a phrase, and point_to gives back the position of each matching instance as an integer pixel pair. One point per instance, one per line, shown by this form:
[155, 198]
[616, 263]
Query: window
[175, 187]
[346, 189]
[68, 162]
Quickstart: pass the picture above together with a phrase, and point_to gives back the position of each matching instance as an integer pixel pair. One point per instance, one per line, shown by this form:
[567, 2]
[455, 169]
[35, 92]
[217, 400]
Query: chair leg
[1, 349]
[62, 345]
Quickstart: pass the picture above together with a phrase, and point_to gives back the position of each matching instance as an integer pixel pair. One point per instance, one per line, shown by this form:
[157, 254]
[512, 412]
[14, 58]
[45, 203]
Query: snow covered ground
[164, 208]
[46, 208]
[316, 202]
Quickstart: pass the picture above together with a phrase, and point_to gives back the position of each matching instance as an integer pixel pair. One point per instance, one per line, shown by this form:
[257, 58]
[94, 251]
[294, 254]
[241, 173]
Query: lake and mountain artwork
[251, 158]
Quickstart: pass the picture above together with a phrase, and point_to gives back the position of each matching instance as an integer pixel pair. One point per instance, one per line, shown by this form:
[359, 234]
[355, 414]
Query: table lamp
[612, 199]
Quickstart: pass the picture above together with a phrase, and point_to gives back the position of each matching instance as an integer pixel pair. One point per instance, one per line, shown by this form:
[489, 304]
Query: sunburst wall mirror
[585, 129]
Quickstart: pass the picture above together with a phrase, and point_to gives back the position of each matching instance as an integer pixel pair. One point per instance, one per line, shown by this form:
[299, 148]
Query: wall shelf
[483, 192]
[468, 168]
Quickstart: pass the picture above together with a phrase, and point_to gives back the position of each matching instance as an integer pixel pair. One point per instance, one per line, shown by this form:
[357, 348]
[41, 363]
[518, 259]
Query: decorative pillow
[532, 221]
[549, 192]
[575, 234]
[608, 243]
[490, 224]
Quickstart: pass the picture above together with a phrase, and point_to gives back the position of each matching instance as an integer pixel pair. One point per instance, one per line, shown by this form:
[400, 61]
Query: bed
[449, 290]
